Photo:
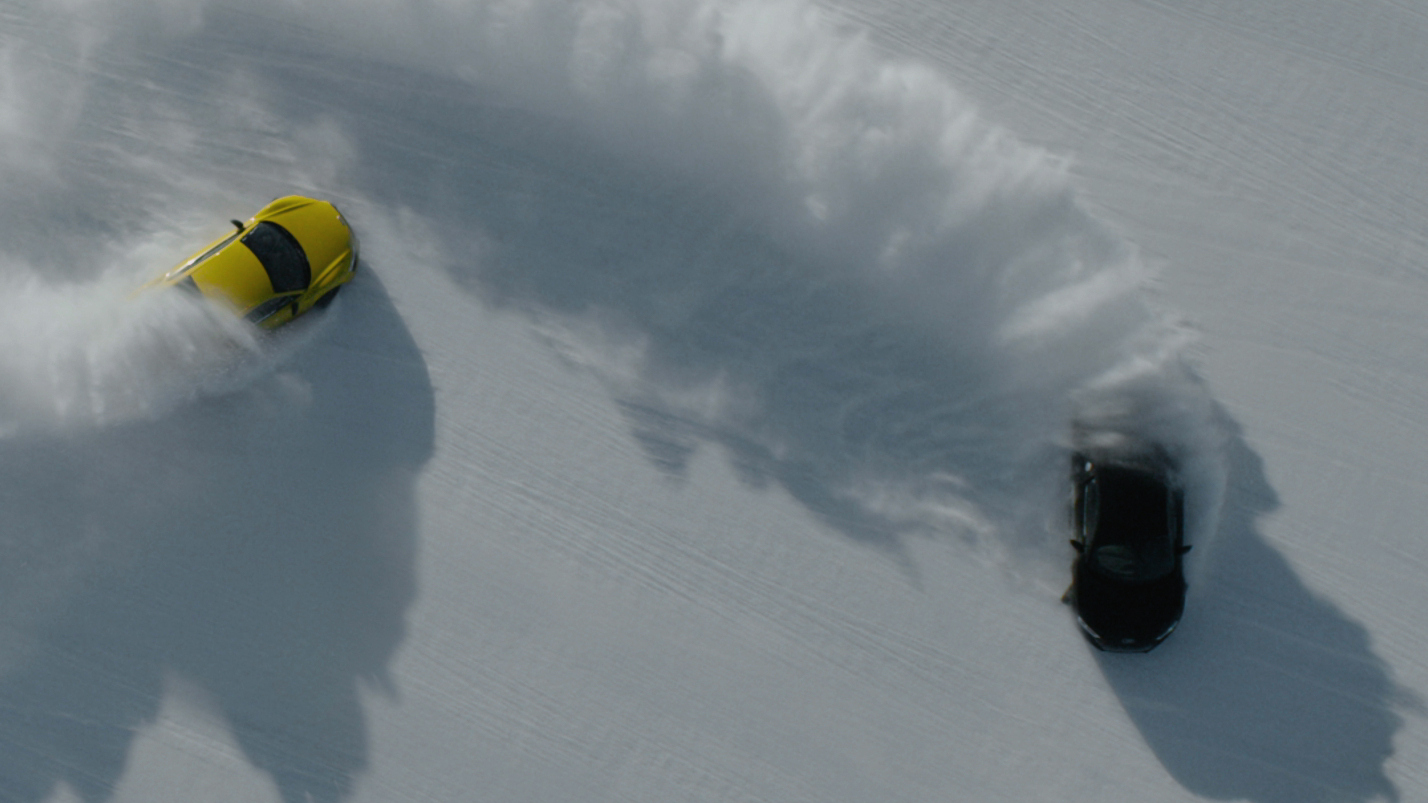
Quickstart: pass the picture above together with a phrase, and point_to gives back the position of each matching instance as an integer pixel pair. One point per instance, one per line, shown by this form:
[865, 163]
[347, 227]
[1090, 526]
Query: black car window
[1117, 559]
[269, 308]
[1090, 506]
[1132, 534]
[280, 255]
[1134, 565]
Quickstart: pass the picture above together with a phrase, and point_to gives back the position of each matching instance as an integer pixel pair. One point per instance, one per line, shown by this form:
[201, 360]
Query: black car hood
[1118, 611]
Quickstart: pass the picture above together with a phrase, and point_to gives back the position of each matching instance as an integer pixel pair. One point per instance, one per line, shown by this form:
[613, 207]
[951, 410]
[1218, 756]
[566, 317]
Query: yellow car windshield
[281, 256]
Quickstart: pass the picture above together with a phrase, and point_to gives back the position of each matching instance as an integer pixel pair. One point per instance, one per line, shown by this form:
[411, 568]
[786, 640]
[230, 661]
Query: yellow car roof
[234, 274]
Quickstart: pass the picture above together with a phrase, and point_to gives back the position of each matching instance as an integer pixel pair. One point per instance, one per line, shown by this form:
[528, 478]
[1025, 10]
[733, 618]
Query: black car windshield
[280, 255]
[1133, 541]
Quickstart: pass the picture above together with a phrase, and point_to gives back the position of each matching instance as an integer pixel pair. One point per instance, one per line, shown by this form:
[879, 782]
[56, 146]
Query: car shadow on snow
[1267, 692]
[259, 545]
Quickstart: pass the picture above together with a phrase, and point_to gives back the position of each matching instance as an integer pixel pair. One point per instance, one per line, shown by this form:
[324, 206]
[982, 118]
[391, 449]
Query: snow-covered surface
[694, 430]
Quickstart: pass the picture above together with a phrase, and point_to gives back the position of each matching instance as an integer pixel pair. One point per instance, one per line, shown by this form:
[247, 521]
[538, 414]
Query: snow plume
[87, 355]
[759, 231]
[763, 234]
[109, 180]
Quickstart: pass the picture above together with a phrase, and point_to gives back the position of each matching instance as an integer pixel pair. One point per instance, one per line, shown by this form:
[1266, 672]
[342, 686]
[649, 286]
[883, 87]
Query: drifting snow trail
[77, 357]
[872, 297]
[823, 260]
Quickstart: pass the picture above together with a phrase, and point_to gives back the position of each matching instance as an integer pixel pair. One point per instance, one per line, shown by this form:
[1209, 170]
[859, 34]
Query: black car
[1127, 580]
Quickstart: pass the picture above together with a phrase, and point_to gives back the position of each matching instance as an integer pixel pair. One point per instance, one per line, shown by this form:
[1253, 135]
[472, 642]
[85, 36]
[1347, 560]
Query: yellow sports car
[295, 254]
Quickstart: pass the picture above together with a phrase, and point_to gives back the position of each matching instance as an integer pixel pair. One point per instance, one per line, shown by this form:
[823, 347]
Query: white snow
[695, 429]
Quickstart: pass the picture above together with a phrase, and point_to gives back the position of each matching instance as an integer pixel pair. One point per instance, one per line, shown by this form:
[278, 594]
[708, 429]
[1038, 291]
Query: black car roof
[1130, 499]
